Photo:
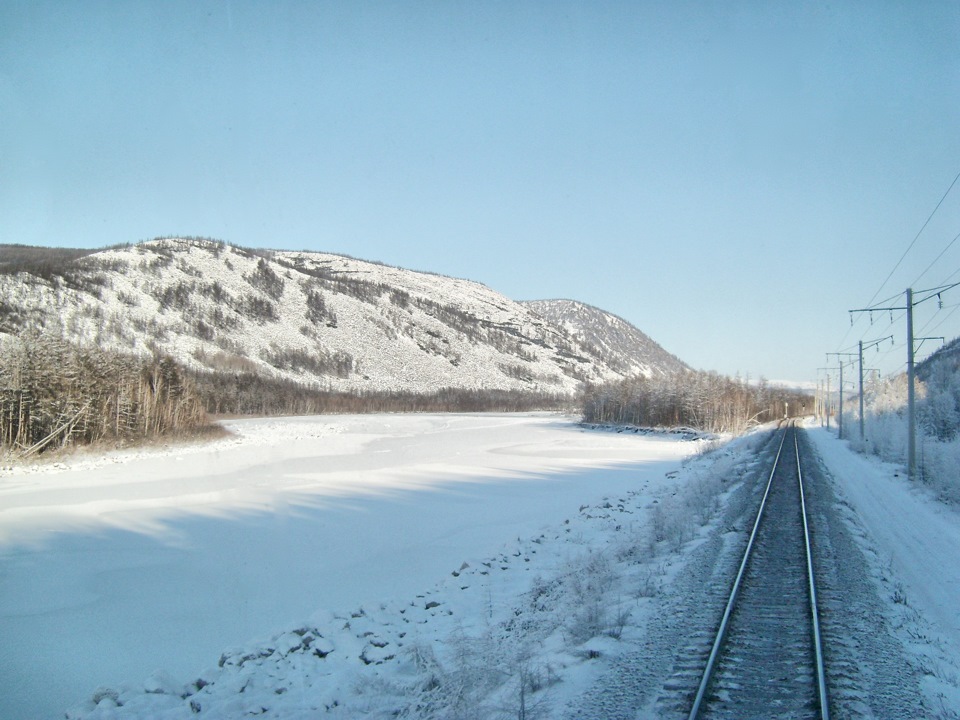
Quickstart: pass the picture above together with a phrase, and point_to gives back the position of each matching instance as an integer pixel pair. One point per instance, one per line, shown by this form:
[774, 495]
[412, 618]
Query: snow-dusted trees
[54, 393]
[701, 400]
[939, 411]
[263, 278]
[938, 420]
[248, 393]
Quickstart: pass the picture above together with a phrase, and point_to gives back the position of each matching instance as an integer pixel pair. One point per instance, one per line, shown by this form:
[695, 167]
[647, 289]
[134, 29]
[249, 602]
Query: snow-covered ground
[911, 543]
[421, 565]
[112, 568]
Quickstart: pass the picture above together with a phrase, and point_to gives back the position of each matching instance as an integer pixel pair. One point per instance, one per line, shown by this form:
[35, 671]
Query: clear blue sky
[731, 177]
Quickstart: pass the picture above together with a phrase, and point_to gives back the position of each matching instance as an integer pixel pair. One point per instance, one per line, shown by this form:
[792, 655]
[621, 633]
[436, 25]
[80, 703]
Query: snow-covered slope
[623, 347]
[328, 320]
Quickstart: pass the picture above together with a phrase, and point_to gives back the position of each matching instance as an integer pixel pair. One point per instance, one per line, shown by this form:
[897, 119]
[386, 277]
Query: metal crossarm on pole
[921, 339]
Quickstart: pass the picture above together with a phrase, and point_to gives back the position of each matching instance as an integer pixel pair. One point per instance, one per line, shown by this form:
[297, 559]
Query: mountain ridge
[635, 353]
[321, 319]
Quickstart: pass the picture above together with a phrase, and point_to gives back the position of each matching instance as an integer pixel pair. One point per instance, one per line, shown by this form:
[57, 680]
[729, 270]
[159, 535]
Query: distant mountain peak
[626, 349]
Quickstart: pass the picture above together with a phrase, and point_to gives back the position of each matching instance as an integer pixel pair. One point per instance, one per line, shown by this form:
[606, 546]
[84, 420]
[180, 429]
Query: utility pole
[840, 416]
[829, 401]
[870, 344]
[911, 395]
[825, 400]
[817, 407]
[863, 434]
[840, 420]
[911, 351]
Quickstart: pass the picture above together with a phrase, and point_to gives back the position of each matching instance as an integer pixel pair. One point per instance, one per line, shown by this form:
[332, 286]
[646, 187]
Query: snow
[914, 544]
[917, 533]
[359, 566]
[114, 567]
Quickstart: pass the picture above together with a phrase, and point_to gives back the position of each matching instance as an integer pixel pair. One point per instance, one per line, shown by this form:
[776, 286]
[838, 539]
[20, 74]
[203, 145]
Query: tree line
[247, 393]
[701, 400]
[54, 393]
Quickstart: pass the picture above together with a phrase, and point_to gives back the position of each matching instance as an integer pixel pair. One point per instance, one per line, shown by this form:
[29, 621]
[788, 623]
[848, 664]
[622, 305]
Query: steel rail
[817, 642]
[731, 602]
[724, 623]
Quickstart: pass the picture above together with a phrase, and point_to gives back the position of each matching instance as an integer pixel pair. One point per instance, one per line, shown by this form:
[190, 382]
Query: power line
[942, 253]
[936, 315]
[952, 275]
[948, 316]
[914, 241]
[869, 328]
[884, 353]
[900, 261]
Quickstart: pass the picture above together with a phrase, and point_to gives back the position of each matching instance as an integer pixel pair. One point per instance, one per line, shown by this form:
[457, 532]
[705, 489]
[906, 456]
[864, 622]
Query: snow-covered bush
[588, 585]
[669, 524]
[885, 435]
[939, 463]
[701, 498]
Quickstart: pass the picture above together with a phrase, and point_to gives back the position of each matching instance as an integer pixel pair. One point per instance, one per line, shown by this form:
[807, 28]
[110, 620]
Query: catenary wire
[914, 241]
[897, 265]
[948, 316]
[942, 253]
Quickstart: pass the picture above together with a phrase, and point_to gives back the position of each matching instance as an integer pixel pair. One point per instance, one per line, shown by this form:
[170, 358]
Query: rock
[102, 694]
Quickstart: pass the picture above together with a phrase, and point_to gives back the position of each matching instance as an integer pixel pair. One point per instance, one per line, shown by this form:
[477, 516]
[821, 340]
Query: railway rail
[767, 656]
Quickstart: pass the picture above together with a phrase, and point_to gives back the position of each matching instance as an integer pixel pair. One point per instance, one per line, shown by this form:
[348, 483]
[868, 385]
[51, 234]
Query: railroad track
[767, 657]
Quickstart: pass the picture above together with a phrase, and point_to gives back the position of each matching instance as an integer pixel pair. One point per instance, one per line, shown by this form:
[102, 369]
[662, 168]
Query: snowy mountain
[624, 348]
[326, 320]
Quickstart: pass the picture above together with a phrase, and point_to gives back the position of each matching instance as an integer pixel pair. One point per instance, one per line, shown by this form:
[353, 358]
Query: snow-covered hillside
[327, 320]
[624, 347]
